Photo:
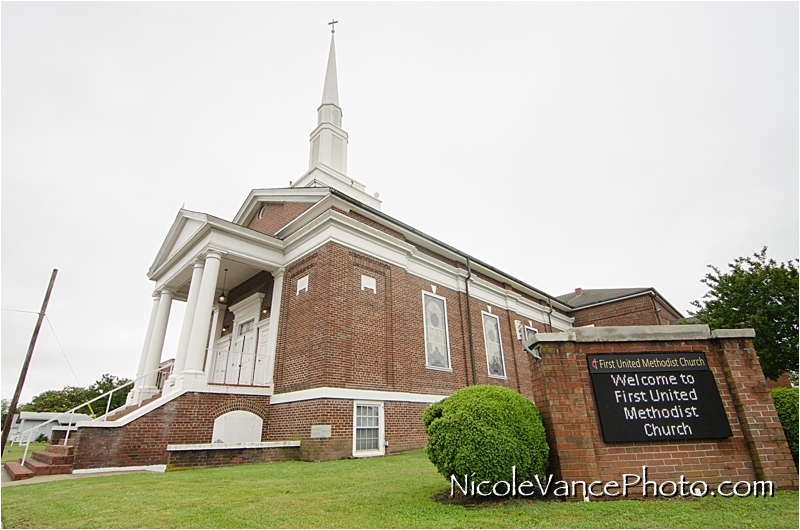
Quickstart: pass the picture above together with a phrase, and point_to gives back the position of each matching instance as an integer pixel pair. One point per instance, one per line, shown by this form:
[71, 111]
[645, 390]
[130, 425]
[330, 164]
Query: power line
[62, 349]
[21, 311]
[54, 335]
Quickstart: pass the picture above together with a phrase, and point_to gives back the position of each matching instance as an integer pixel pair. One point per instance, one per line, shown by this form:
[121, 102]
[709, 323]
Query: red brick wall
[665, 314]
[338, 335]
[782, 382]
[229, 457]
[252, 285]
[761, 426]
[190, 419]
[187, 419]
[260, 281]
[563, 392]
[277, 215]
[403, 427]
[636, 311]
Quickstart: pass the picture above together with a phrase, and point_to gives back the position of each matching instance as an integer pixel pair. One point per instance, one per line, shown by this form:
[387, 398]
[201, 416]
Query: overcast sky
[594, 145]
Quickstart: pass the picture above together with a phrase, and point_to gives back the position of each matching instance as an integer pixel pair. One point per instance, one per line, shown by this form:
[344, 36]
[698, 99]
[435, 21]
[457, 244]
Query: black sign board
[657, 396]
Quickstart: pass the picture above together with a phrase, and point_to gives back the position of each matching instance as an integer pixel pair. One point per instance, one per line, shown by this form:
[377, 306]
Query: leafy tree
[6, 404]
[72, 396]
[57, 400]
[104, 384]
[757, 293]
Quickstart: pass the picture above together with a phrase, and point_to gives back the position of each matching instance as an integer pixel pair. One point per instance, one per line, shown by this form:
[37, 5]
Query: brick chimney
[578, 290]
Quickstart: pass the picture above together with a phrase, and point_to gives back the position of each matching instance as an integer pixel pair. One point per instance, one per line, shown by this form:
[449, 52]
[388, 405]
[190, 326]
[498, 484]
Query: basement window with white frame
[368, 429]
[437, 345]
[494, 348]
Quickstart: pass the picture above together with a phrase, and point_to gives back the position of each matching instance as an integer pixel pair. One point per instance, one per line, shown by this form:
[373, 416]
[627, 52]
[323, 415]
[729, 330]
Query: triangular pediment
[191, 229]
[186, 225]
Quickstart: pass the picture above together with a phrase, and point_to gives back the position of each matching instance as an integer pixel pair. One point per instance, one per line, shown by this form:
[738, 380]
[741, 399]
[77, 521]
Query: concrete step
[65, 450]
[125, 410]
[17, 471]
[120, 412]
[52, 459]
[41, 468]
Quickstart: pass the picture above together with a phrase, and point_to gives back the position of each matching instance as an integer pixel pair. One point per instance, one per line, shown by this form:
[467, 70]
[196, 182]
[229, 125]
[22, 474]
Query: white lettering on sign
[320, 431]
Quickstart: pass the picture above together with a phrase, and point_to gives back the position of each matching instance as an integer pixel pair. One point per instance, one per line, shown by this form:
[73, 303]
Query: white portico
[189, 267]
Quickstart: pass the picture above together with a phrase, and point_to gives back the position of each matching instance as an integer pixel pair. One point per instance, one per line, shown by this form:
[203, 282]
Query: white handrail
[72, 413]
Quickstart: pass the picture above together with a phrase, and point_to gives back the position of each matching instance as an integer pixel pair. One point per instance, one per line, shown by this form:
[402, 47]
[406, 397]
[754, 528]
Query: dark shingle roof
[592, 296]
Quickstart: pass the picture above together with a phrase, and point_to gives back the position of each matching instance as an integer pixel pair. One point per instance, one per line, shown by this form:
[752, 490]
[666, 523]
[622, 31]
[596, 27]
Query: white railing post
[108, 406]
[28, 444]
[71, 412]
[71, 417]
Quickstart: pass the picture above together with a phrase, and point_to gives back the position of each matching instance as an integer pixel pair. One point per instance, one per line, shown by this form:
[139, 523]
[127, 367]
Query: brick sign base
[562, 389]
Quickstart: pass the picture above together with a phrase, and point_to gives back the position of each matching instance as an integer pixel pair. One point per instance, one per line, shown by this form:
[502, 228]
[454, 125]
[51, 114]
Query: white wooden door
[220, 360]
[263, 375]
[241, 357]
[247, 359]
[234, 362]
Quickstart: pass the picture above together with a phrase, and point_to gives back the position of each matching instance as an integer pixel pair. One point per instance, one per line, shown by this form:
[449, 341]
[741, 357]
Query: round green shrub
[486, 430]
[787, 404]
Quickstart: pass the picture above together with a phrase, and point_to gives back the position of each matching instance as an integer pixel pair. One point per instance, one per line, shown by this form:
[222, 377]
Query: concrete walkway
[6, 480]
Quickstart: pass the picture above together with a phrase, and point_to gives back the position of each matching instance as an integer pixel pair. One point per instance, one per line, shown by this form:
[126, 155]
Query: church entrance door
[241, 359]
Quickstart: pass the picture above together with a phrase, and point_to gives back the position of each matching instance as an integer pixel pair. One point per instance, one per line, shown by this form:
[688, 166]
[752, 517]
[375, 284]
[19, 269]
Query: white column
[157, 344]
[274, 318]
[188, 319]
[216, 330]
[137, 386]
[202, 318]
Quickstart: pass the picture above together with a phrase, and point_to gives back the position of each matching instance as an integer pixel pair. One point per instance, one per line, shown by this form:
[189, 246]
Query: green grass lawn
[14, 452]
[390, 492]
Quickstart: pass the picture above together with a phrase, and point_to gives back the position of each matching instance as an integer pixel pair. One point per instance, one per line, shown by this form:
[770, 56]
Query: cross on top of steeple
[332, 24]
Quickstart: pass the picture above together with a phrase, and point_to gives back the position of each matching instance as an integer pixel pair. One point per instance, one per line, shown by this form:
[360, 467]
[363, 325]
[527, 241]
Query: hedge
[484, 431]
[786, 403]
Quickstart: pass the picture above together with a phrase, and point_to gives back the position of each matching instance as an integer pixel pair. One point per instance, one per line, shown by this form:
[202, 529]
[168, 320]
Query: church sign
[657, 396]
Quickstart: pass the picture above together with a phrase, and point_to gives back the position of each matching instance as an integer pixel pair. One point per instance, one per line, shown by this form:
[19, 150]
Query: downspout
[469, 325]
[550, 314]
[655, 309]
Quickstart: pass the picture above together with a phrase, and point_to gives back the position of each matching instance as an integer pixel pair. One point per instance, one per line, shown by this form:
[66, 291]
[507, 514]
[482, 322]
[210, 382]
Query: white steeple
[330, 94]
[327, 161]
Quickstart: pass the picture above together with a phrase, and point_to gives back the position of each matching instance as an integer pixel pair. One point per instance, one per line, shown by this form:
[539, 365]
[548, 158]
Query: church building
[318, 327]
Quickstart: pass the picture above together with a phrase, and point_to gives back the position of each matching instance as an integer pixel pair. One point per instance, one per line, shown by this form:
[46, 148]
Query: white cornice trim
[312, 213]
[332, 226]
[136, 414]
[157, 468]
[415, 238]
[327, 177]
[319, 225]
[174, 231]
[211, 225]
[645, 292]
[242, 445]
[352, 393]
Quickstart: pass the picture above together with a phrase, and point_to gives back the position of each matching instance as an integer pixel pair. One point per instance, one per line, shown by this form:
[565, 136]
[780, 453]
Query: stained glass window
[494, 349]
[437, 349]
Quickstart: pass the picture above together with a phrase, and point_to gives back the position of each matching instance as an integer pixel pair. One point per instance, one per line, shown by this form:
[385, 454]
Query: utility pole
[13, 406]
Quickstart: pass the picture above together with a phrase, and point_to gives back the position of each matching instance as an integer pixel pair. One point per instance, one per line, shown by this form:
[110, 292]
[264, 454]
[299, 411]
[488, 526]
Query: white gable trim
[353, 394]
[257, 196]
